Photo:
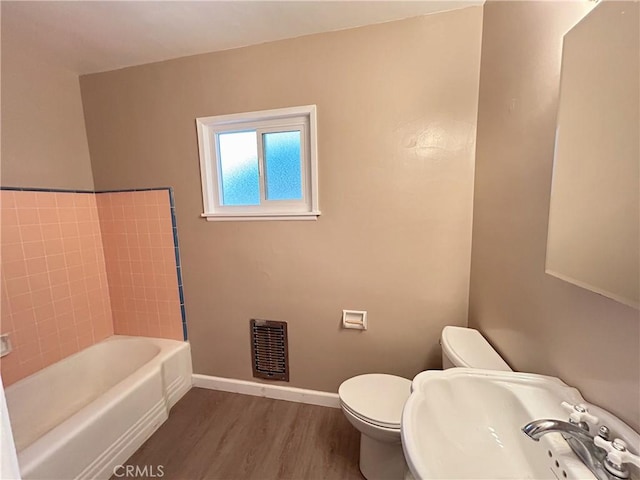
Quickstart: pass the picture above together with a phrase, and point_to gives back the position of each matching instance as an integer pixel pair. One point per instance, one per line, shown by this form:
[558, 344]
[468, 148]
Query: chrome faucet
[579, 439]
[536, 430]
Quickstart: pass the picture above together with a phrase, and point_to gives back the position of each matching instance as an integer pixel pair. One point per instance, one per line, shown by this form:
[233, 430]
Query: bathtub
[81, 417]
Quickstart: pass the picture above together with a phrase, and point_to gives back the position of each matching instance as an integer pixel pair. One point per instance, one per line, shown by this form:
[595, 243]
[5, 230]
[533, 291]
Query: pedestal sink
[465, 423]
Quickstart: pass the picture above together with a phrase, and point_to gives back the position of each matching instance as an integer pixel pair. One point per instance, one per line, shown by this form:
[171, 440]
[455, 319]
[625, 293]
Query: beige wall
[538, 323]
[397, 107]
[44, 143]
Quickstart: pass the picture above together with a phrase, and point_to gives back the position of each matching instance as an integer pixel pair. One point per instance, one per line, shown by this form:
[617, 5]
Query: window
[259, 165]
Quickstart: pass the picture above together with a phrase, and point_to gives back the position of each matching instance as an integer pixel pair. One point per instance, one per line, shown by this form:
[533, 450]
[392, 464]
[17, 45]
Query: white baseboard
[279, 392]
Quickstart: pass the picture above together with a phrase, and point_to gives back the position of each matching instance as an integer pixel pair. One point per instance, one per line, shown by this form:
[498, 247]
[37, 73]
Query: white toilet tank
[466, 347]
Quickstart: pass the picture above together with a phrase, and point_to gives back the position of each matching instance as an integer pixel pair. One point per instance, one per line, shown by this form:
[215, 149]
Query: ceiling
[95, 36]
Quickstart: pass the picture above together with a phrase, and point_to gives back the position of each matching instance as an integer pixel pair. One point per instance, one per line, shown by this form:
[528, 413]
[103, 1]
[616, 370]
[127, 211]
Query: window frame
[302, 119]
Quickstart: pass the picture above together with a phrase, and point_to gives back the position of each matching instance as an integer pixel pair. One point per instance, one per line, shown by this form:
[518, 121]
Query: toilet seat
[372, 422]
[376, 398]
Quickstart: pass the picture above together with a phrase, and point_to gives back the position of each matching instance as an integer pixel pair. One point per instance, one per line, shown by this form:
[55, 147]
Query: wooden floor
[226, 436]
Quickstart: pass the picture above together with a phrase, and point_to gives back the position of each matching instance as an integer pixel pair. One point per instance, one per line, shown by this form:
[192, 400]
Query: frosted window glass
[282, 163]
[239, 168]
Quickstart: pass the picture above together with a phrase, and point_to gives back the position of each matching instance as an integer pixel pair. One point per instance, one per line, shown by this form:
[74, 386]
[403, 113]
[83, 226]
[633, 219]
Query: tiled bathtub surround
[55, 298]
[141, 263]
[78, 267]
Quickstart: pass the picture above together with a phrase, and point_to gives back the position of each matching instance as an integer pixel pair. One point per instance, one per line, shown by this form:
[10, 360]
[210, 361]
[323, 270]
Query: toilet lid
[376, 397]
[466, 347]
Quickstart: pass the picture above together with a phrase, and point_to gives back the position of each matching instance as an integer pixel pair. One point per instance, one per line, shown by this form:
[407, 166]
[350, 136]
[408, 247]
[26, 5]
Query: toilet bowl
[373, 405]
[373, 402]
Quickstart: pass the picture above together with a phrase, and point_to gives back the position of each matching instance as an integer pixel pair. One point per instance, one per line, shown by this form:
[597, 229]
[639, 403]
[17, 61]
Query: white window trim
[296, 118]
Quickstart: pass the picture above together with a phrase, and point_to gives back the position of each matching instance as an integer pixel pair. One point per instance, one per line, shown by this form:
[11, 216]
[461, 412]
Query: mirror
[594, 218]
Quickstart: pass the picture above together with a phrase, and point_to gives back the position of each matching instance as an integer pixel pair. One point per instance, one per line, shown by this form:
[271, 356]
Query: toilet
[373, 402]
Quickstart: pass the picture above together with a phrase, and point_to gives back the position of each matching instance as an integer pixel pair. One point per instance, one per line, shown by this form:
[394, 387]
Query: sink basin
[466, 423]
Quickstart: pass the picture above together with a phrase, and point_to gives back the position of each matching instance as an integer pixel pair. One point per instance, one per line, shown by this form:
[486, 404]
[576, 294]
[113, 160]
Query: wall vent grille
[269, 350]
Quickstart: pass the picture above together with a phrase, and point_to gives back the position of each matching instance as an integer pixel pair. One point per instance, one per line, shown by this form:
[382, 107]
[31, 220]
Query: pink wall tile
[77, 267]
[141, 264]
[52, 265]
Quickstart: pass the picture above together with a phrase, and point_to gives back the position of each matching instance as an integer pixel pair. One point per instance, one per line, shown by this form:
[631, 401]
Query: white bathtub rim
[31, 378]
[54, 440]
[101, 404]
[78, 422]
[100, 400]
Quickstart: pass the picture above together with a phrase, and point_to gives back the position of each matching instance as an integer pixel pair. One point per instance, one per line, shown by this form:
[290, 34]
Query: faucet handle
[579, 413]
[617, 456]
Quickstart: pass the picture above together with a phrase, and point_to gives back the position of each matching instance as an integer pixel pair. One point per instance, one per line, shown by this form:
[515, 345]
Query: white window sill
[222, 217]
